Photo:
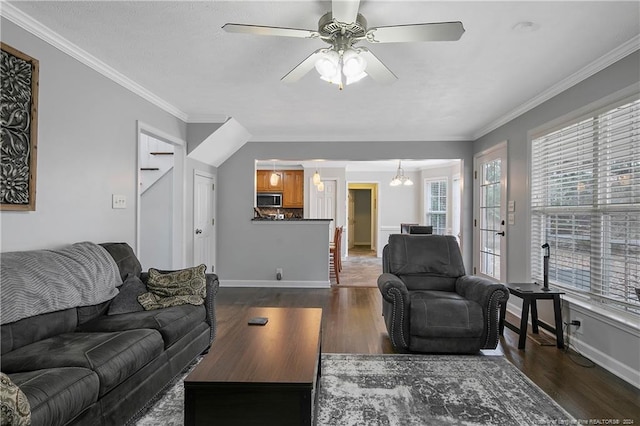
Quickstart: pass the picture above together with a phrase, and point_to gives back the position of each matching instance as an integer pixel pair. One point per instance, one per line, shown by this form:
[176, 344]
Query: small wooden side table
[530, 293]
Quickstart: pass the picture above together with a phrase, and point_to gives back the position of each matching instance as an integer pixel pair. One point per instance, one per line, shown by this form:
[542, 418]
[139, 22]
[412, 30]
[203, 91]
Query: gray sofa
[86, 365]
[430, 304]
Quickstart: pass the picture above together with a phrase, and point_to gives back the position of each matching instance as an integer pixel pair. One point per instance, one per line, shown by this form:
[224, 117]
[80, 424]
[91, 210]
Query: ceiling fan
[343, 62]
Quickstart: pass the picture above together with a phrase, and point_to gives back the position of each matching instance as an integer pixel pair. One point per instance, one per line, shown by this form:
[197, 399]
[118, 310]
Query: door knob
[198, 231]
[500, 233]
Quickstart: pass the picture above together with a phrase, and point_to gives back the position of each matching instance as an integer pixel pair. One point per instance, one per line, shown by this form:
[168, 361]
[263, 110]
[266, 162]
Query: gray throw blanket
[40, 281]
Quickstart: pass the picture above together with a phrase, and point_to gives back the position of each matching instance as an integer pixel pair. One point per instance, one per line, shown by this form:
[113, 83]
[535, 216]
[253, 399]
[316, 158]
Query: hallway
[360, 269]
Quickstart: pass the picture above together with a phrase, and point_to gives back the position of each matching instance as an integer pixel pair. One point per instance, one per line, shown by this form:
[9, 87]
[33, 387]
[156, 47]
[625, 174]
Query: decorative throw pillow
[14, 406]
[175, 288]
[127, 299]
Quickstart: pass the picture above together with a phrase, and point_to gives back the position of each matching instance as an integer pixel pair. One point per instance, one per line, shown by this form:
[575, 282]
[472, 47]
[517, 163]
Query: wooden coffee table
[258, 375]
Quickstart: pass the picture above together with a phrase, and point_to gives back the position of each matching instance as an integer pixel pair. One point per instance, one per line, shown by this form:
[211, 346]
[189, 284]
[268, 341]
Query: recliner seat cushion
[444, 315]
[57, 395]
[113, 356]
[172, 323]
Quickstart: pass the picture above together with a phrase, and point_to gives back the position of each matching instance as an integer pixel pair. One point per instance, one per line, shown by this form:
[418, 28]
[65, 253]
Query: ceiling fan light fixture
[328, 66]
[353, 64]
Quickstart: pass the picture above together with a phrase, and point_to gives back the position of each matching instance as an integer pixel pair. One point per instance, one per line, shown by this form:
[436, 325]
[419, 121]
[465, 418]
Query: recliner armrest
[388, 281]
[490, 296]
[480, 289]
[395, 310]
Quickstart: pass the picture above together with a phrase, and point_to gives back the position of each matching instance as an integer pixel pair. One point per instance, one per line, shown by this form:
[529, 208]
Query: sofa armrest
[490, 296]
[212, 285]
[210, 303]
[395, 309]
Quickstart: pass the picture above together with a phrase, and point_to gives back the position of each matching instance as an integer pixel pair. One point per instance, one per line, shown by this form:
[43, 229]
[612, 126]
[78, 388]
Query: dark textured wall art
[18, 135]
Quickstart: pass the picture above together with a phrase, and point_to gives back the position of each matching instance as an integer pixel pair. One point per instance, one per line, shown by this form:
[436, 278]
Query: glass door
[490, 213]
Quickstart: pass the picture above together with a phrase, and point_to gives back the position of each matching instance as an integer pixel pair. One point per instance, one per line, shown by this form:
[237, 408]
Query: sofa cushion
[57, 395]
[29, 330]
[175, 288]
[125, 258]
[127, 299]
[444, 315]
[172, 323]
[14, 405]
[113, 356]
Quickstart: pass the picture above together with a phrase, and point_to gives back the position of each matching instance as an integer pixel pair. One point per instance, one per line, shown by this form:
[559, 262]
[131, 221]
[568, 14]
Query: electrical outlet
[578, 325]
[278, 274]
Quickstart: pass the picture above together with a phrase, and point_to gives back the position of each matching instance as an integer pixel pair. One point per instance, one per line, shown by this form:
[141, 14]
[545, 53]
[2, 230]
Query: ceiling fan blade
[345, 11]
[303, 67]
[270, 31]
[437, 31]
[376, 69]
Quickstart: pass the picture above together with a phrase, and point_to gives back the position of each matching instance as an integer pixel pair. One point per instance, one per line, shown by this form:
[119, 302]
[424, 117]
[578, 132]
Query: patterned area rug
[377, 390]
[430, 390]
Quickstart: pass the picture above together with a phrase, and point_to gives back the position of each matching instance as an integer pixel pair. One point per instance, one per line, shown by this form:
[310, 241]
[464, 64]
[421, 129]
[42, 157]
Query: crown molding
[596, 66]
[46, 34]
[207, 118]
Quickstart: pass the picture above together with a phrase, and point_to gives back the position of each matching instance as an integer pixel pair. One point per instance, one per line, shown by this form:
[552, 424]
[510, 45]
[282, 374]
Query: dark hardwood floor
[352, 323]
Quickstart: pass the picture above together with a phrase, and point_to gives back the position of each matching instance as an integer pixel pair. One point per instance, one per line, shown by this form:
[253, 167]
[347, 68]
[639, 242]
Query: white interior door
[490, 213]
[203, 220]
[323, 204]
[351, 229]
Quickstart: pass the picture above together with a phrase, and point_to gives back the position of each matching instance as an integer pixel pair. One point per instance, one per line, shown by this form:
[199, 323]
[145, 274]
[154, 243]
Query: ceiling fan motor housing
[340, 34]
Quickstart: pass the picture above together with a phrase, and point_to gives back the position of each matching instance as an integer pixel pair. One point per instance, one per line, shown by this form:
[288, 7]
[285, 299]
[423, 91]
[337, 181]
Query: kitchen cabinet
[293, 193]
[263, 181]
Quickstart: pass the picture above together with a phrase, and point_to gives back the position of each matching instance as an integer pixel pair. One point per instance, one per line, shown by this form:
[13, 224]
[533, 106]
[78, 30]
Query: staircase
[155, 160]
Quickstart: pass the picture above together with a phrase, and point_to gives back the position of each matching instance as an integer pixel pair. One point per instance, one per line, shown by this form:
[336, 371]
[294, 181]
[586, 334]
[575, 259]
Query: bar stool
[335, 250]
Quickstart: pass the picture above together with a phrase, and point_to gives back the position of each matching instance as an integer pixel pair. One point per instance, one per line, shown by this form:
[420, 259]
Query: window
[436, 203]
[585, 203]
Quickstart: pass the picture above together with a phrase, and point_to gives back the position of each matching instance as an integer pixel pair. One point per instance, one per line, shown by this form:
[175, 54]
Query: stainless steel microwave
[269, 200]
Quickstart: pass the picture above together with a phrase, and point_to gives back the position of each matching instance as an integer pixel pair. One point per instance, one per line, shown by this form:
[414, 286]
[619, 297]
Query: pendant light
[320, 186]
[316, 178]
[275, 177]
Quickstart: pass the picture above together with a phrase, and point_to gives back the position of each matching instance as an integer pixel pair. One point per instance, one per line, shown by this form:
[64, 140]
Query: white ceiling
[177, 51]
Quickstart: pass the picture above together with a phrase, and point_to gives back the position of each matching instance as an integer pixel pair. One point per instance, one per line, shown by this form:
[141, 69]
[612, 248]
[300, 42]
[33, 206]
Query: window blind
[437, 206]
[585, 203]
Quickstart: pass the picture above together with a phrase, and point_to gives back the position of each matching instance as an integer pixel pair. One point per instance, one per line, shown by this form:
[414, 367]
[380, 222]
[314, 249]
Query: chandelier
[400, 178]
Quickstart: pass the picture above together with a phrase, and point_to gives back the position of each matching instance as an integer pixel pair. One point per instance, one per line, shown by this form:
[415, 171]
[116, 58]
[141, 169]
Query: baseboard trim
[603, 360]
[275, 284]
[610, 364]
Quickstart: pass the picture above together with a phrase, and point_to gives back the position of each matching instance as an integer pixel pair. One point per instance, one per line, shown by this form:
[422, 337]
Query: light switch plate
[512, 218]
[118, 201]
[512, 206]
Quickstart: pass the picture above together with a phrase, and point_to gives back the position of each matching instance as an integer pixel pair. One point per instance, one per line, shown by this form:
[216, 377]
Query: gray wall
[611, 342]
[87, 144]
[243, 253]
[156, 223]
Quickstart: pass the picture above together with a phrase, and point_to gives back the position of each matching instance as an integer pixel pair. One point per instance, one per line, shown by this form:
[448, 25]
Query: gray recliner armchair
[429, 304]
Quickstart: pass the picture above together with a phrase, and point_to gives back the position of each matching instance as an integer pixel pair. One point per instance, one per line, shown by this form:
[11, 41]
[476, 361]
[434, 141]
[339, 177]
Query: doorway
[490, 213]
[159, 199]
[362, 219]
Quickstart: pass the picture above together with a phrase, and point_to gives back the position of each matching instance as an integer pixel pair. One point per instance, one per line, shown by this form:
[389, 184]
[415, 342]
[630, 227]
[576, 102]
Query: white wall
[611, 341]
[87, 144]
